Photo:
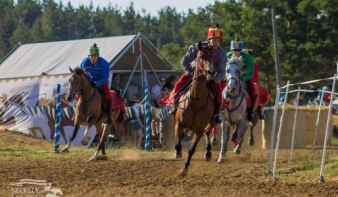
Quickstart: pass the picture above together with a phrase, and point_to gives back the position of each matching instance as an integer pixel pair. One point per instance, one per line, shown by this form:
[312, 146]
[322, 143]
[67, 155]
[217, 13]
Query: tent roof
[54, 58]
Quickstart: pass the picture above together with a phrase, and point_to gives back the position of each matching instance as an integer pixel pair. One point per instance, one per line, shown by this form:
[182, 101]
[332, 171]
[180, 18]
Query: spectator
[301, 99]
[156, 123]
[155, 92]
[116, 84]
[170, 82]
[136, 122]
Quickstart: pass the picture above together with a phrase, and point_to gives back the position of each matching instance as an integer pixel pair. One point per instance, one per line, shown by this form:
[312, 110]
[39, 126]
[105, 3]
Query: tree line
[307, 30]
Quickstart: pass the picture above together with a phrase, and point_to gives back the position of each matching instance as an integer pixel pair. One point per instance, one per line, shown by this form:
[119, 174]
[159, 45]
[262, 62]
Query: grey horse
[235, 114]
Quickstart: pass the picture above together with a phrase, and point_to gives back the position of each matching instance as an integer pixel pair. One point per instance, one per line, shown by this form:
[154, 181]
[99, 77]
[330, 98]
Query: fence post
[148, 123]
[57, 116]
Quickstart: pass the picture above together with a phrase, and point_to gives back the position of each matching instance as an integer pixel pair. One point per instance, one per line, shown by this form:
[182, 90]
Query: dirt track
[157, 174]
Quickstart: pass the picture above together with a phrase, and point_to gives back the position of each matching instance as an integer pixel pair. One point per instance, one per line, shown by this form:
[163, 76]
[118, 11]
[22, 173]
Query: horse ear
[200, 48]
[70, 69]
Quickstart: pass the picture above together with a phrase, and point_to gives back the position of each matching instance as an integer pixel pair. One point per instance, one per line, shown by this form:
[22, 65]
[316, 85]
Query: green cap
[94, 50]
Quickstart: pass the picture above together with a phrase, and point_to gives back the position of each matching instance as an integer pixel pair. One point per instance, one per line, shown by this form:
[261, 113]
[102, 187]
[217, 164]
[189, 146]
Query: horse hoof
[214, 141]
[93, 159]
[237, 151]
[184, 172]
[84, 142]
[221, 160]
[208, 156]
[102, 157]
[251, 143]
[65, 150]
[178, 155]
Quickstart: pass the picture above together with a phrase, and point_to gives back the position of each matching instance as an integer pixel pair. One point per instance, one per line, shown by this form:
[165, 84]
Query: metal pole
[141, 63]
[131, 76]
[273, 128]
[321, 178]
[317, 123]
[294, 126]
[279, 132]
[274, 31]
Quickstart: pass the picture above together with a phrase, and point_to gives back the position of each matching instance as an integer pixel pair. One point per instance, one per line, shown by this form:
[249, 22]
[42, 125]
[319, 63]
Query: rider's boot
[109, 109]
[260, 113]
[250, 110]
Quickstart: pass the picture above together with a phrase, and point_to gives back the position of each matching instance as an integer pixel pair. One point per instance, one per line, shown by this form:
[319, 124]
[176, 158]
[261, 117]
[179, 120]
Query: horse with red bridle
[196, 107]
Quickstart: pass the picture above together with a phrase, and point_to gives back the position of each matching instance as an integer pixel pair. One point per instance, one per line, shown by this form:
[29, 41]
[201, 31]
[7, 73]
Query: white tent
[29, 75]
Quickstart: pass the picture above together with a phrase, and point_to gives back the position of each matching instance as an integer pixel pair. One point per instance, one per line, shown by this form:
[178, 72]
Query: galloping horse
[89, 108]
[196, 109]
[235, 113]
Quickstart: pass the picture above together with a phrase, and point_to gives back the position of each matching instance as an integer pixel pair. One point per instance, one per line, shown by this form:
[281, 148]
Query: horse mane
[77, 70]
[237, 61]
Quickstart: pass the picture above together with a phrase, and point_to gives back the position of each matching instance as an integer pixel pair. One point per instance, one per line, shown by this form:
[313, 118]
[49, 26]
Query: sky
[151, 6]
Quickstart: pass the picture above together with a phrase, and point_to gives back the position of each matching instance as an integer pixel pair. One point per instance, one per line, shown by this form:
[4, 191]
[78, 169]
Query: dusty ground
[136, 173]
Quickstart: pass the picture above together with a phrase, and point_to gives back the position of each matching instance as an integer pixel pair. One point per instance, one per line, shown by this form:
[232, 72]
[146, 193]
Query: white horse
[235, 114]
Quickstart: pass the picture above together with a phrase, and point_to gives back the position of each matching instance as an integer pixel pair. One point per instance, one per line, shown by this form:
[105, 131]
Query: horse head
[77, 83]
[233, 75]
[204, 66]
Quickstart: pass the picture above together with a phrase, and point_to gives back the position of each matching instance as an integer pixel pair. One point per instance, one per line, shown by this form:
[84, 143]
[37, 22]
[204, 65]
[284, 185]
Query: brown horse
[196, 109]
[89, 109]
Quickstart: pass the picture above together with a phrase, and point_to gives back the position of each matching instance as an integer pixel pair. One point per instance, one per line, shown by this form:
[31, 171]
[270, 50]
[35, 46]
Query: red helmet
[215, 32]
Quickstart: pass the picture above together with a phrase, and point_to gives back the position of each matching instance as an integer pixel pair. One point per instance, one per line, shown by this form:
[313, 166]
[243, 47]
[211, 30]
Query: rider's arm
[188, 58]
[83, 63]
[249, 66]
[221, 66]
[104, 73]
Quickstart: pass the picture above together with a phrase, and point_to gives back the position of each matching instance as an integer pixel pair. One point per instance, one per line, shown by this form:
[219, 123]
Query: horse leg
[179, 136]
[207, 154]
[103, 133]
[62, 132]
[191, 152]
[86, 137]
[240, 130]
[251, 139]
[70, 143]
[214, 139]
[224, 141]
[234, 137]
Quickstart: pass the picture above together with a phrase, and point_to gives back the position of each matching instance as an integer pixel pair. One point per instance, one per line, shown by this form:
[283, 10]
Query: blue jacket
[188, 60]
[97, 74]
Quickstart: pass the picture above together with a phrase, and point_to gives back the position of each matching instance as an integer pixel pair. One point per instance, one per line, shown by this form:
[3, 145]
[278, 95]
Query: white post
[280, 131]
[272, 139]
[294, 126]
[317, 123]
[321, 178]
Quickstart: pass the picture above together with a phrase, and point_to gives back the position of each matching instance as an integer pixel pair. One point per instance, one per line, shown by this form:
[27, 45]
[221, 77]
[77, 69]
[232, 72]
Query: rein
[240, 93]
[80, 90]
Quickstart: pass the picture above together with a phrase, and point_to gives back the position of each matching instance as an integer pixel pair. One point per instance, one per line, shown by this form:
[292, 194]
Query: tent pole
[123, 52]
[131, 76]
[141, 63]
[152, 68]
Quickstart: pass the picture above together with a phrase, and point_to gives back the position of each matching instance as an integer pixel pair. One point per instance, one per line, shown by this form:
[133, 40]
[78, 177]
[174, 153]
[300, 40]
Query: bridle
[80, 90]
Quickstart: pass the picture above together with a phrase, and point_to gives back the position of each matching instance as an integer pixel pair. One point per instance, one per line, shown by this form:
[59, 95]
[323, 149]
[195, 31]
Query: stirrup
[261, 116]
[217, 120]
[250, 116]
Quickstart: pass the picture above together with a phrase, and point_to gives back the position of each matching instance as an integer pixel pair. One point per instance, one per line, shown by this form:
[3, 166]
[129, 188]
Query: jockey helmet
[94, 50]
[236, 44]
[215, 32]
